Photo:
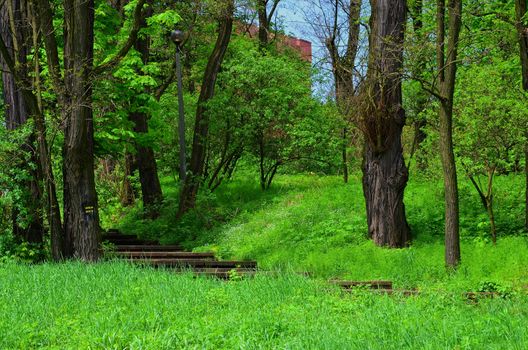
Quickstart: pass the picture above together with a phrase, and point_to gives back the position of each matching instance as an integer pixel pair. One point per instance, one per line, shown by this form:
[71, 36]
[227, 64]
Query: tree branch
[137, 25]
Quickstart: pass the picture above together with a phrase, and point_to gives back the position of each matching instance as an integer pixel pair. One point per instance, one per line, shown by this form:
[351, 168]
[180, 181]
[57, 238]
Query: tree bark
[421, 100]
[265, 17]
[384, 171]
[446, 67]
[81, 216]
[14, 28]
[146, 162]
[201, 125]
[127, 191]
[521, 8]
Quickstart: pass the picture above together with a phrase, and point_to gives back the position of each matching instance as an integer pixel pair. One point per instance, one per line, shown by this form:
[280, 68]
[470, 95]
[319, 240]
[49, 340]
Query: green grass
[116, 306]
[317, 224]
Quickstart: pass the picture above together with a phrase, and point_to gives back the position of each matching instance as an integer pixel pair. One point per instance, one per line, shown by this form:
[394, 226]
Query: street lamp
[177, 36]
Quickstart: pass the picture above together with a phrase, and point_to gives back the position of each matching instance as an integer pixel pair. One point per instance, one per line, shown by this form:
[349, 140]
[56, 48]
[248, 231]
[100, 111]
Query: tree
[488, 127]
[344, 64]
[201, 126]
[442, 87]
[382, 119]
[146, 163]
[73, 87]
[521, 24]
[14, 29]
[446, 64]
[14, 61]
[336, 23]
[264, 108]
[265, 15]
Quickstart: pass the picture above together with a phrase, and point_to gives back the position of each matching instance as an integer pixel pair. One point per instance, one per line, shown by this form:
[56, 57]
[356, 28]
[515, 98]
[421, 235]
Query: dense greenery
[320, 185]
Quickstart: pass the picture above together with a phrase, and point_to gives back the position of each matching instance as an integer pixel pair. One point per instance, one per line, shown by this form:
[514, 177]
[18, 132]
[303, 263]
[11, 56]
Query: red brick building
[304, 47]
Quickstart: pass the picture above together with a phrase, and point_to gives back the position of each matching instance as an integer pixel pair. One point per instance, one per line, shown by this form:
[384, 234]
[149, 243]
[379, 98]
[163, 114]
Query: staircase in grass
[144, 252]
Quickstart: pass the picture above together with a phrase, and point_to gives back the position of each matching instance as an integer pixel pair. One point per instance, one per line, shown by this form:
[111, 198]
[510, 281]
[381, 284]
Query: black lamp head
[177, 36]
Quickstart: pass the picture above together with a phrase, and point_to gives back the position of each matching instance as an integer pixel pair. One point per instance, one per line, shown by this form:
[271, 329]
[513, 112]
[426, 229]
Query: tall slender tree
[146, 162]
[521, 24]
[343, 64]
[382, 119]
[201, 125]
[446, 65]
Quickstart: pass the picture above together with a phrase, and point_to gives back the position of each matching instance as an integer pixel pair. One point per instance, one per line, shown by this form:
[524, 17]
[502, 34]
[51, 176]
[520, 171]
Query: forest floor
[303, 223]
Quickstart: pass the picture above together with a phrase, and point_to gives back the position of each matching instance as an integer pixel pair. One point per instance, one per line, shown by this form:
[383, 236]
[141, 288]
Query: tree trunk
[384, 180]
[127, 191]
[344, 155]
[343, 68]
[146, 162]
[526, 184]
[452, 241]
[446, 78]
[265, 15]
[14, 30]
[521, 8]
[384, 171]
[420, 71]
[201, 125]
[263, 22]
[81, 216]
[148, 171]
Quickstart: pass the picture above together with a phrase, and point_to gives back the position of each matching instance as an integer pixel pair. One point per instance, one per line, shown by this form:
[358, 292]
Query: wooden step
[164, 254]
[130, 241]
[148, 248]
[403, 292]
[368, 284]
[221, 273]
[197, 263]
[109, 236]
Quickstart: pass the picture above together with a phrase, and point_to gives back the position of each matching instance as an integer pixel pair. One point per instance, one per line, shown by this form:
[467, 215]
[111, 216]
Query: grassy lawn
[304, 223]
[317, 224]
[116, 306]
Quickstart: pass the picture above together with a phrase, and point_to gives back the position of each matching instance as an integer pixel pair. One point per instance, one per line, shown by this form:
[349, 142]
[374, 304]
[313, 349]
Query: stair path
[151, 253]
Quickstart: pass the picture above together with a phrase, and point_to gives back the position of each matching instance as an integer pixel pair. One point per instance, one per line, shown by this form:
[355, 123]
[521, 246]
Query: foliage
[263, 107]
[15, 173]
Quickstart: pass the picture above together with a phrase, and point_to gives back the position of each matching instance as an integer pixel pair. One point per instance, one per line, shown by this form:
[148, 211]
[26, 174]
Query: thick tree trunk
[81, 216]
[148, 171]
[201, 125]
[384, 171]
[14, 29]
[384, 180]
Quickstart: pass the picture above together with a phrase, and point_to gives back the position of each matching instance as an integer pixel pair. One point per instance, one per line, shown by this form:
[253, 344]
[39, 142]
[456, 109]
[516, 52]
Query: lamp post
[177, 36]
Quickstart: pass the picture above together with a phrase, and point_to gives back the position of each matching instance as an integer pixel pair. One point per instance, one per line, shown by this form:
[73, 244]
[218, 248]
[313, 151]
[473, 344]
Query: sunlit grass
[116, 306]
